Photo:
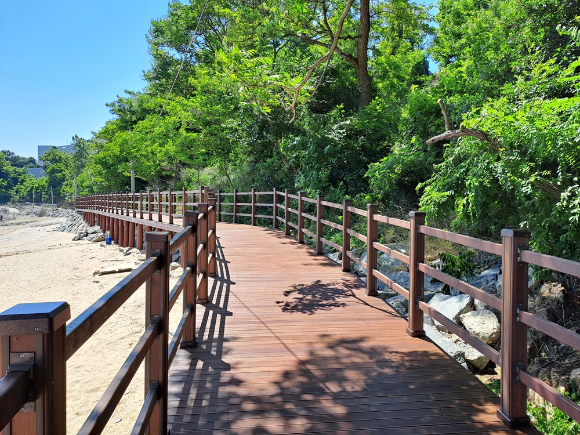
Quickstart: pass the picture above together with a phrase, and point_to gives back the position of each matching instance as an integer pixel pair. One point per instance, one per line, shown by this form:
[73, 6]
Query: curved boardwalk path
[291, 344]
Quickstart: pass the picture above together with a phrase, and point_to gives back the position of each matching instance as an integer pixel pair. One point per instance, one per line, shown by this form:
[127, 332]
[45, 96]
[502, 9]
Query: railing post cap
[157, 236]
[413, 214]
[372, 205]
[515, 233]
[34, 318]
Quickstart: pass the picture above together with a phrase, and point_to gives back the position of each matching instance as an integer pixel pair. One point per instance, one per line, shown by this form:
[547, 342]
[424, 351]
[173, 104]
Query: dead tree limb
[463, 131]
[547, 187]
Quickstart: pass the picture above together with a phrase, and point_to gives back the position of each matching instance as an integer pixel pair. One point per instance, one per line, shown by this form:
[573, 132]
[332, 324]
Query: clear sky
[62, 60]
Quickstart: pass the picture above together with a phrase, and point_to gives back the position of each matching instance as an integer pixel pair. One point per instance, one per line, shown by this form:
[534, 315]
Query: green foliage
[458, 266]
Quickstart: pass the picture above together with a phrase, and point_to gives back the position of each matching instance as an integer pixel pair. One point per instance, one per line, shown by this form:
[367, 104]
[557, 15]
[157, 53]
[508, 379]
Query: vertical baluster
[189, 259]
[514, 352]
[319, 226]
[372, 236]
[300, 217]
[254, 208]
[416, 277]
[286, 212]
[346, 217]
[274, 209]
[202, 226]
[157, 310]
[235, 220]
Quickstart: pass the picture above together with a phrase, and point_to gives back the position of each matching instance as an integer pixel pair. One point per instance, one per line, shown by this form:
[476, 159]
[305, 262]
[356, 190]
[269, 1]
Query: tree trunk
[362, 67]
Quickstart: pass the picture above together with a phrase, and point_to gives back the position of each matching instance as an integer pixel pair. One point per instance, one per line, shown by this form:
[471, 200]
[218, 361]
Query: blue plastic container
[108, 240]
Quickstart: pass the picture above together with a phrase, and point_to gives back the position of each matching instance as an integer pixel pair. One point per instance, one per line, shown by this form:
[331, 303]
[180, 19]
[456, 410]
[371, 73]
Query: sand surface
[39, 264]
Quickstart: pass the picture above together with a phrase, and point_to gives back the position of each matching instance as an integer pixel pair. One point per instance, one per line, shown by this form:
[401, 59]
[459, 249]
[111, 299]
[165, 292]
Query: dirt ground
[40, 264]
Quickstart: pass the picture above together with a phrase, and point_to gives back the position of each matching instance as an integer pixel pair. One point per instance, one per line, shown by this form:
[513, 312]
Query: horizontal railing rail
[296, 209]
[196, 240]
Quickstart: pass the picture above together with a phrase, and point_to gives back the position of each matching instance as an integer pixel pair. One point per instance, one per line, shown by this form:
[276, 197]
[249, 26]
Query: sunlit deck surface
[291, 344]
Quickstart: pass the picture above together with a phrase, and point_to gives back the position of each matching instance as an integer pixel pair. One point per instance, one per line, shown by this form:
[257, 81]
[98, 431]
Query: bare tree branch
[320, 61]
[463, 131]
[445, 115]
[494, 143]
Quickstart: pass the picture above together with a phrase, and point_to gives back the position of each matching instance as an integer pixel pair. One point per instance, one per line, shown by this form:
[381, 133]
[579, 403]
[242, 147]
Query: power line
[187, 52]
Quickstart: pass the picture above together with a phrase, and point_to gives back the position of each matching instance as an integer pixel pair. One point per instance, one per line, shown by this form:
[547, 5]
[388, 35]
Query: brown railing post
[157, 310]
[274, 209]
[202, 226]
[372, 236]
[254, 208]
[319, 226]
[300, 217]
[514, 355]
[188, 259]
[34, 334]
[345, 236]
[183, 203]
[212, 226]
[150, 204]
[286, 212]
[235, 215]
[159, 216]
[140, 205]
[219, 207]
[416, 277]
[170, 205]
[140, 236]
[133, 203]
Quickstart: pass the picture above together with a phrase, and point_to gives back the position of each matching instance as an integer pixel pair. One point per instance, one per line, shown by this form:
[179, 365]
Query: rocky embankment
[554, 363]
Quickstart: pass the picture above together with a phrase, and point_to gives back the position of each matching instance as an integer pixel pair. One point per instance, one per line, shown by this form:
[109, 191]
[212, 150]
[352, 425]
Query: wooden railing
[293, 211]
[316, 221]
[37, 342]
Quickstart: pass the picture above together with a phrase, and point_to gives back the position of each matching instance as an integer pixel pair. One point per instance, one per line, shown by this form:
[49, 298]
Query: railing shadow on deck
[327, 389]
[205, 363]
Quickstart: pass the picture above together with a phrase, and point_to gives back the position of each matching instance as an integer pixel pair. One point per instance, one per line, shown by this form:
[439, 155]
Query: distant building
[44, 148]
[37, 172]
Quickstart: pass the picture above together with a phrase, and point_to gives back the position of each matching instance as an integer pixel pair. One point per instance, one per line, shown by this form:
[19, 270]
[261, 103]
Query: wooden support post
[212, 226]
[150, 205]
[33, 335]
[134, 203]
[300, 217]
[116, 224]
[131, 234]
[202, 226]
[235, 215]
[514, 354]
[140, 205]
[319, 226]
[170, 205]
[254, 208]
[219, 207]
[416, 277]
[274, 209]
[188, 259]
[286, 212]
[183, 203]
[157, 310]
[139, 236]
[124, 236]
[159, 208]
[372, 236]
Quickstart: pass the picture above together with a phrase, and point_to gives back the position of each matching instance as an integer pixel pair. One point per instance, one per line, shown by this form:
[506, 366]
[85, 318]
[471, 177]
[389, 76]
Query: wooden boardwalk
[291, 344]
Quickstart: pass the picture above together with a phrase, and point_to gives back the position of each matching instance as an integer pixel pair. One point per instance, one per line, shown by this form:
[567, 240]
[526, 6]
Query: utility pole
[132, 177]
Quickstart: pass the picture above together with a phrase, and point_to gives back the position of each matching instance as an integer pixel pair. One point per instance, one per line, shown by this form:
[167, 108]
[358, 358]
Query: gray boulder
[451, 307]
[399, 304]
[335, 256]
[456, 348]
[358, 269]
[478, 306]
[387, 264]
[482, 324]
[487, 280]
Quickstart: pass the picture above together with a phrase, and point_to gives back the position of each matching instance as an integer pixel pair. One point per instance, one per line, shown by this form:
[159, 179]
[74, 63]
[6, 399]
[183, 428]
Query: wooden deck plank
[291, 344]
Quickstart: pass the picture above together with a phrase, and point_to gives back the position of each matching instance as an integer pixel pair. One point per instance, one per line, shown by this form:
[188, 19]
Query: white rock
[451, 307]
[575, 377]
[175, 265]
[482, 324]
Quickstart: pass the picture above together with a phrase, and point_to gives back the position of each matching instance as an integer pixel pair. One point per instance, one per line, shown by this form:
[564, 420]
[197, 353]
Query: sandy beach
[40, 264]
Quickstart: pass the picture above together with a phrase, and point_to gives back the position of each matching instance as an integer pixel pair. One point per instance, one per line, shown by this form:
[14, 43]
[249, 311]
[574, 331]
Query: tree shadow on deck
[392, 384]
[319, 296]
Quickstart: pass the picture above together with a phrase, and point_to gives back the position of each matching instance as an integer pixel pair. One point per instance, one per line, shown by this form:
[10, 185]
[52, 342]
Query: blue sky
[61, 61]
